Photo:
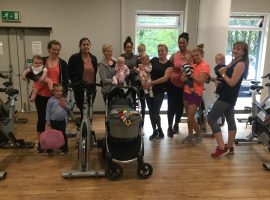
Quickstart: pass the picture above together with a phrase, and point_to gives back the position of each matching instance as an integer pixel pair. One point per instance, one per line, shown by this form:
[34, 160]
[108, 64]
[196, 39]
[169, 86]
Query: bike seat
[255, 82]
[11, 92]
[256, 87]
[267, 84]
[7, 83]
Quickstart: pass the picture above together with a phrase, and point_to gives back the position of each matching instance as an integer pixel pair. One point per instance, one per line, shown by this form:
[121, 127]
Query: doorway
[17, 47]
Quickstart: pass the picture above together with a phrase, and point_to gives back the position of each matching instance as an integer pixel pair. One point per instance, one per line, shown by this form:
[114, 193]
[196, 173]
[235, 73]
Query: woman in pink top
[201, 71]
[57, 72]
[175, 86]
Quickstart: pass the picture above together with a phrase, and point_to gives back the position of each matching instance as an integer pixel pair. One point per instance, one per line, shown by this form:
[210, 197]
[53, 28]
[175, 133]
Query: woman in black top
[132, 79]
[161, 71]
[82, 66]
[233, 75]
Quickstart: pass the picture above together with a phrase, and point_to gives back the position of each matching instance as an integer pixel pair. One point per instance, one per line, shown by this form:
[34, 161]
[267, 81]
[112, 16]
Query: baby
[38, 73]
[122, 71]
[144, 70]
[220, 62]
[188, 70]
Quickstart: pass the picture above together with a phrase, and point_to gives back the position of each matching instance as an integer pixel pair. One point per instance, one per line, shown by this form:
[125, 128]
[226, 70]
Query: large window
[153, 28]
[251, 29]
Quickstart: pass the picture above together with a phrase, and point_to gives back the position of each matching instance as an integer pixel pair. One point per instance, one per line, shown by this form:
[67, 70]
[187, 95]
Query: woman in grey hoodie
[106, 70]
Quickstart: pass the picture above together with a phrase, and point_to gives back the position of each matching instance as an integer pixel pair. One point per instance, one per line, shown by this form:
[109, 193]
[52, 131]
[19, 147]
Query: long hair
[245, 57]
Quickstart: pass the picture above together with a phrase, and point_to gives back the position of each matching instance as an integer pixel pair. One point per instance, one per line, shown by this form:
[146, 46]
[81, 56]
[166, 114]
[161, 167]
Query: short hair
[38, 57]
[105, 47]
[121, 59]
[56, 85]
[55, 42]
[141, 45]
[163, 45]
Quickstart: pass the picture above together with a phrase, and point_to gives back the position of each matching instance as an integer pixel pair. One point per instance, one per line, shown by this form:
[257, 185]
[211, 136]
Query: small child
[188, 70]
[57, 113]
[122, 71]
[38, 73]
[144, 70]
[220, 62]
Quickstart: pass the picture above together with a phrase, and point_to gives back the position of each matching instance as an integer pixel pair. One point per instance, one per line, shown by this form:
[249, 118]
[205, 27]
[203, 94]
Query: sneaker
[187, 140]
[220, 153]
[154, 136]
[39, 150]
[63, 153]
[170, 132]
[231, 149]
[160, 133]
[175, 129]
[48, 152]
[197, 138]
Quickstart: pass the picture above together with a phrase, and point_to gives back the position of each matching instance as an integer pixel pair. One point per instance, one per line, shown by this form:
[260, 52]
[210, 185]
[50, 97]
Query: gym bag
[51, 139]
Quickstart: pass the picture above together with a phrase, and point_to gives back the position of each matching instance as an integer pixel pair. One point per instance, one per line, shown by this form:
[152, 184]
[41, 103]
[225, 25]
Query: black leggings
[79, 95]
[61, 126]
[175, 103]
[41, 104]
[154, 105]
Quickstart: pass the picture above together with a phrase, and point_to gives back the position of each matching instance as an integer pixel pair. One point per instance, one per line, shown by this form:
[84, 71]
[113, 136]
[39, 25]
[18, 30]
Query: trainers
[197, 138]
[160, 133]
[154, 136]
[187, 140]
[231, 149]
[39, 150]
[170, 132]
[175, 129]
[63, 153]
[48, 152]
[220, 153]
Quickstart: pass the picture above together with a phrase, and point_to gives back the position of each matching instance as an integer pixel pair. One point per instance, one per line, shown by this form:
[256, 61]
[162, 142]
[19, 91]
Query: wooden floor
[180, 171]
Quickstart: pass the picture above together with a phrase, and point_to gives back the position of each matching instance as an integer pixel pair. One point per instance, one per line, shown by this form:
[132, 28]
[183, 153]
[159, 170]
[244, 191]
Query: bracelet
[223, 75]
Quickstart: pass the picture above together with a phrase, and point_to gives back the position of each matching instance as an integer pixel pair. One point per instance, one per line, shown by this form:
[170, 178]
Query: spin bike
[87, 139]
[255, 89]
[7, 132]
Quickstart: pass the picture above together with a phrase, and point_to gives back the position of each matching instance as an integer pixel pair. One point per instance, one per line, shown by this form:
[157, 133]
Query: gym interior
[175, 170]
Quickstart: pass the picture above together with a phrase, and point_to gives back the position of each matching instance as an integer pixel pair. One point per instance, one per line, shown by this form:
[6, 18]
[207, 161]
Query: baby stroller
[124, 139]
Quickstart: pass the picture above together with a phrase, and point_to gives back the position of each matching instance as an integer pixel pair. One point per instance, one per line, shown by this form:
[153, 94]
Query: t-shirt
[158, 71]
[202, 67]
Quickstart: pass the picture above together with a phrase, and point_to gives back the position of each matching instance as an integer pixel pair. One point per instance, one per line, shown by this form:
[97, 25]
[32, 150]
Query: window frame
[263, 41]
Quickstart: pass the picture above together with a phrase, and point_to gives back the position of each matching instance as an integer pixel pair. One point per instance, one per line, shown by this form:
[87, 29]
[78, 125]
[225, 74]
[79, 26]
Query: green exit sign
[10, 16]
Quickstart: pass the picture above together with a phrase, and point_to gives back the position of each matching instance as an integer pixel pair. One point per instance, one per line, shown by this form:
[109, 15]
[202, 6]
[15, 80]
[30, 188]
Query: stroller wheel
[114, 172]
[145, 170]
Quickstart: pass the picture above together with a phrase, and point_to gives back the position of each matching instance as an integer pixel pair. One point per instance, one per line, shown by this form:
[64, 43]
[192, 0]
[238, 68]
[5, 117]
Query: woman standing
[201, 71]
[232, 75]
[58, 73]
[161, 72]
[175, 86]
[132, 79]
[106, 70]
[82, 67]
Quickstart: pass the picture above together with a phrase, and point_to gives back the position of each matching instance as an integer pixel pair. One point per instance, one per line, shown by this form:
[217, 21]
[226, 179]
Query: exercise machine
[7, 131]
[87, 139]
[255, 89]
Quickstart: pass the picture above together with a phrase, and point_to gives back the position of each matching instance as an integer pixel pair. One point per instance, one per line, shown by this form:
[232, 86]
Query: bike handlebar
[3, 76]
[83, 84]
[266, 76]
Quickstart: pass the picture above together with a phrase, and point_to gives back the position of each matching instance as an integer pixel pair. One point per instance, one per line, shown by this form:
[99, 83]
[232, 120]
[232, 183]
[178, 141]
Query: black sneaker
[154, 136]
[160, 133]
[170, 132]
[175, 129]
[39, 150]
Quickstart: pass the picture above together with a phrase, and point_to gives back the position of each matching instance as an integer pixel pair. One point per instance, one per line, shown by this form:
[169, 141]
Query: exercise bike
[87, 139]
[7, 132]
[255, 89]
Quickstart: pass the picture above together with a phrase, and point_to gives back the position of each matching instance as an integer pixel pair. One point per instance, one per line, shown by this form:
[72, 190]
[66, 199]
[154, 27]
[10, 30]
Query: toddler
[188, 70]
[220, 62]
[144, 70]
[38, 73]
[57, 113]
[122, 71]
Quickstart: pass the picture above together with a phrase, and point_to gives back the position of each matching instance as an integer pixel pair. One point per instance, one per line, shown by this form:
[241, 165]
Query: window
[153, 28]
[251, 29]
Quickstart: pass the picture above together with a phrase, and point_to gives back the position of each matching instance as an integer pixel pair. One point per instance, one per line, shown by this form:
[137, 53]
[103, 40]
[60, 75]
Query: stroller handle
[130, 88]
[83, 84]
